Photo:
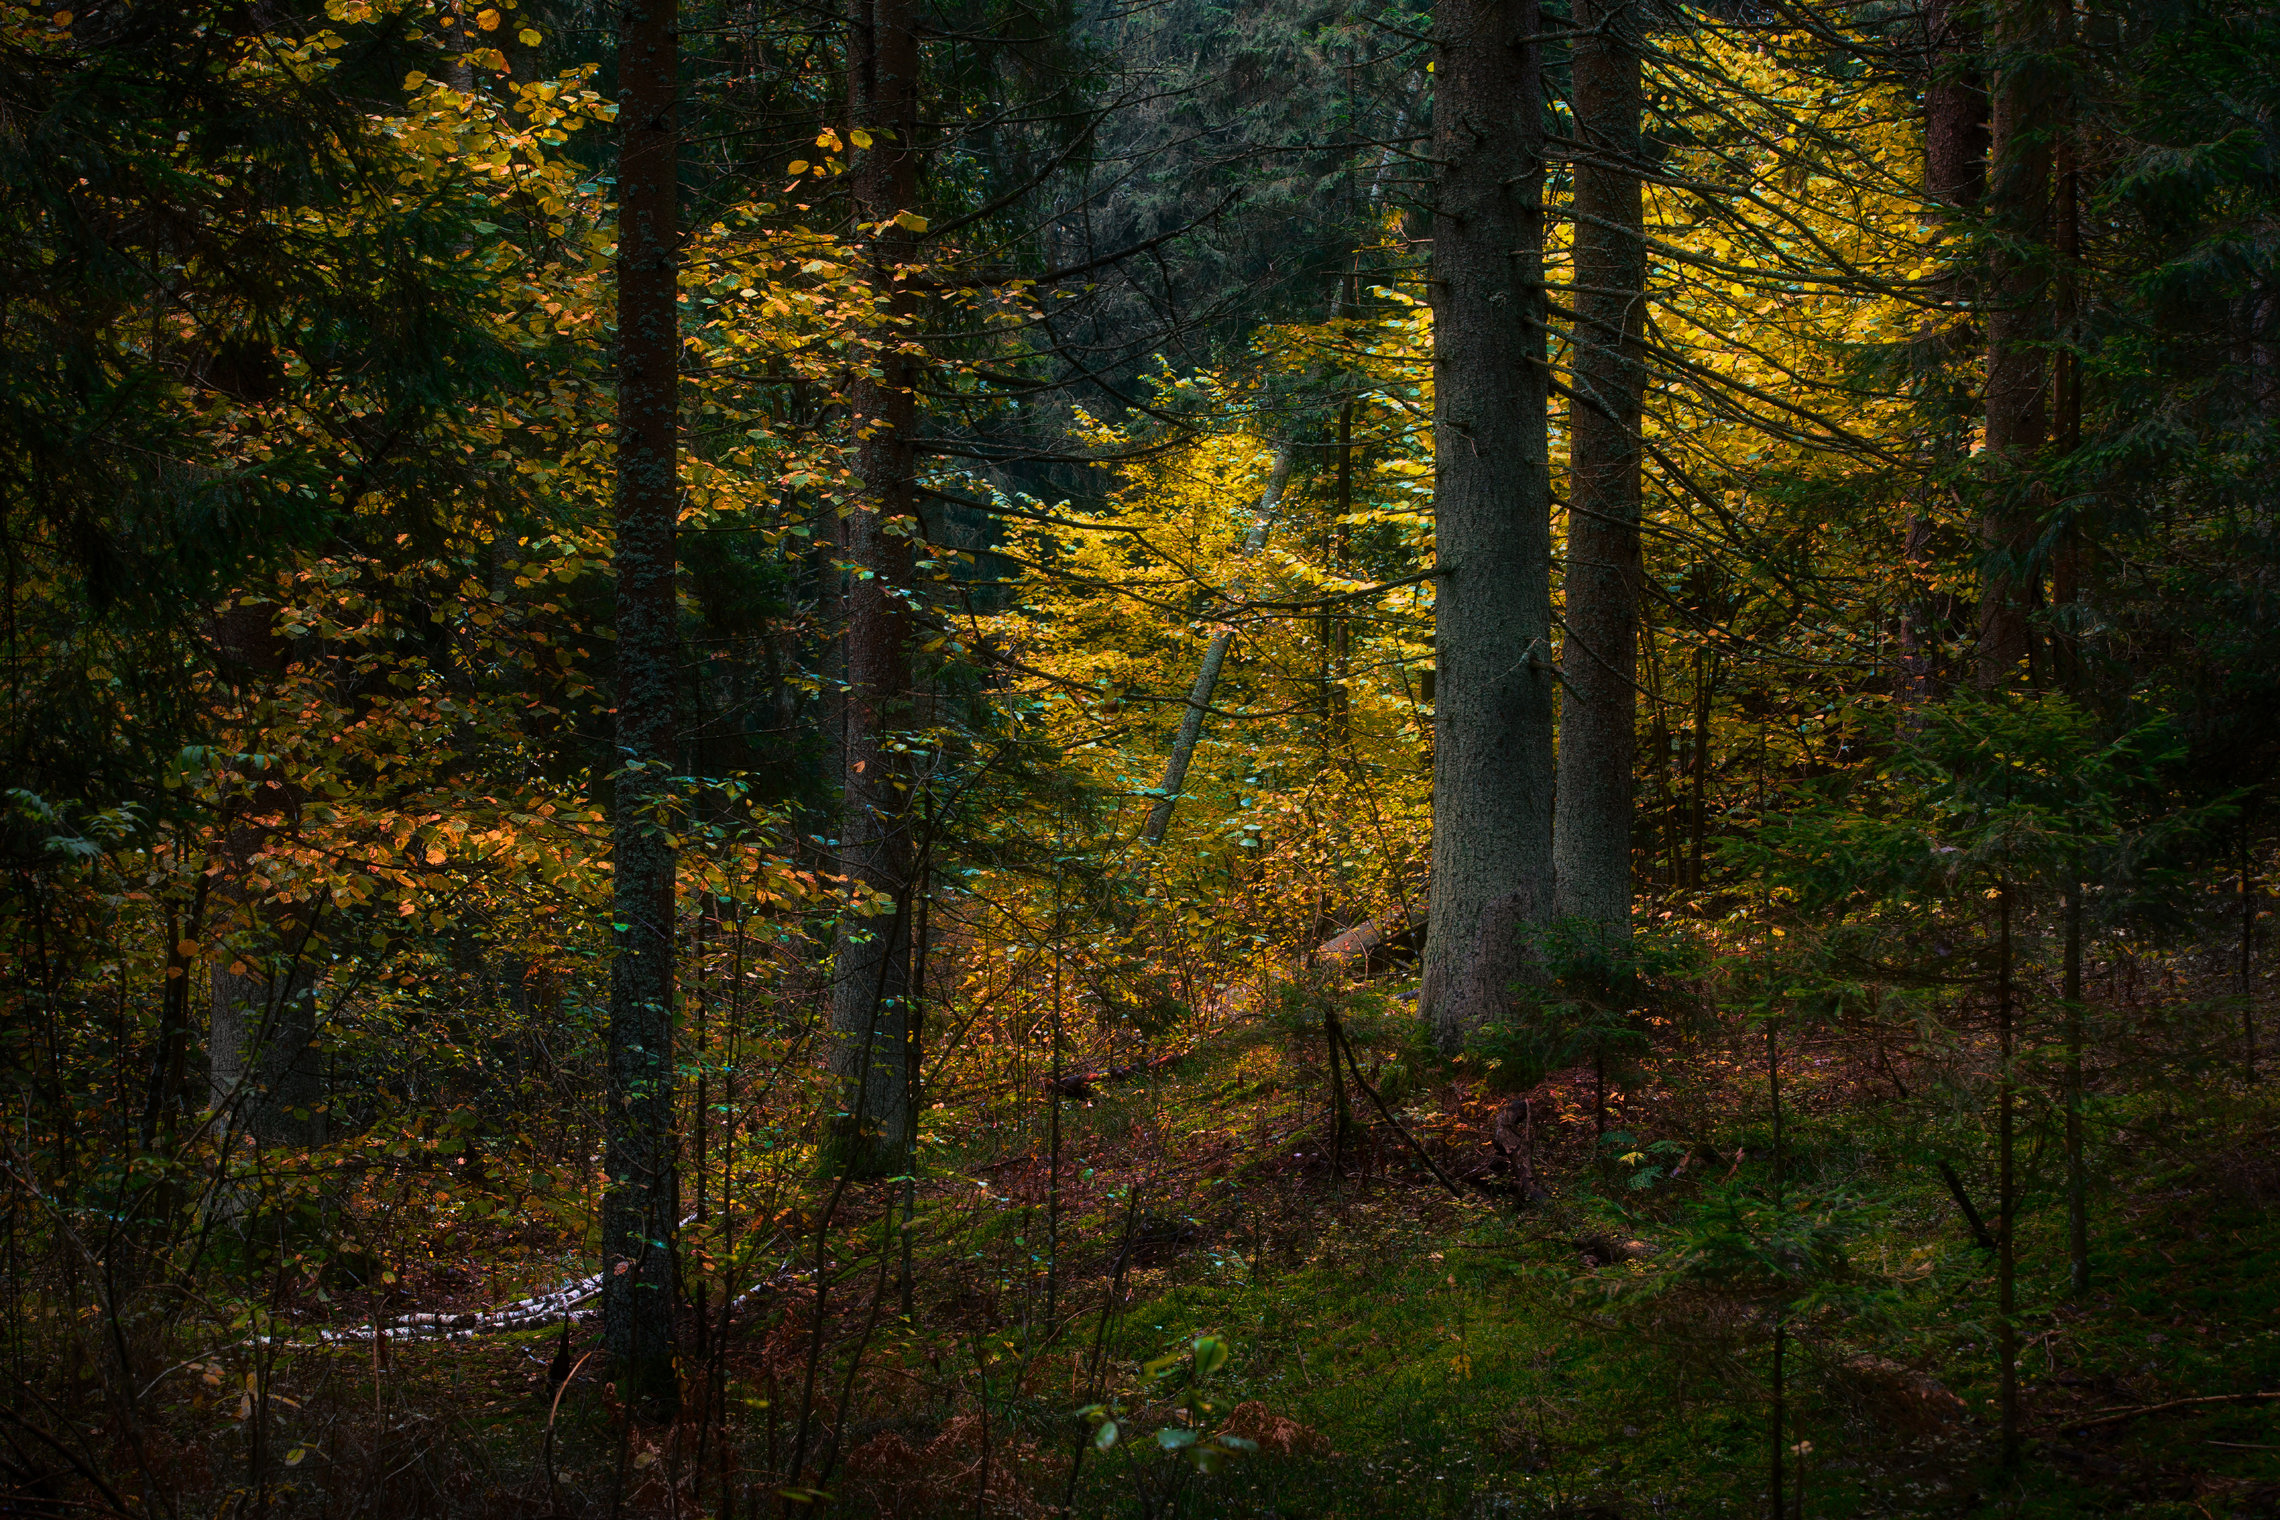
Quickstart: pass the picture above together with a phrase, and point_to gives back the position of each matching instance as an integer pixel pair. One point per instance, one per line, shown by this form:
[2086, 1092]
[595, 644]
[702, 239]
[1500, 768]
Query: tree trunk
[1955, 105]
[1705, 665]
[2071, 558]
[2006, 1188]
[1214, 658]
[162, 1096]
[871, 964]
[262, 1056]
[1492, 722]
[1955, 177]
[1775, 1488]
[2077, 1170]
[1337, 627]
[1591, 835]
[1664, 856]
[640, 1207]
[2247, 962]
[2018, 330]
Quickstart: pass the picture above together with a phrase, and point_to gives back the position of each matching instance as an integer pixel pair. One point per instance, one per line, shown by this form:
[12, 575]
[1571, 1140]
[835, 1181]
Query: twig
[1979, 1235]
[554, 1502]
[2117, 1416]
[1363, 1083]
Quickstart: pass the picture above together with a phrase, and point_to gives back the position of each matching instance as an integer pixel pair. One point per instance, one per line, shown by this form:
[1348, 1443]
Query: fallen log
[1371, 947]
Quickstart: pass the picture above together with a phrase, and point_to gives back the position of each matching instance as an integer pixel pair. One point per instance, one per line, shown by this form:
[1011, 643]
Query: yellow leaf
[488, 20]
[529, 37]
[414, 80]
[861, 137]
[293, 1457]
[911, 220]
[798, 166]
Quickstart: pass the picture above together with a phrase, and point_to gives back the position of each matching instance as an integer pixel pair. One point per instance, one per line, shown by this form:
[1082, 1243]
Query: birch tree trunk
[1492, 722]
[1214, 658]
[1591, 833]
[641, 1205]
[871, 1048]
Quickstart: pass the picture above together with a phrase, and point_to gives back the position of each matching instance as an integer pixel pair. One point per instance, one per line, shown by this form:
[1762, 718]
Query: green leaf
[1210, 1355]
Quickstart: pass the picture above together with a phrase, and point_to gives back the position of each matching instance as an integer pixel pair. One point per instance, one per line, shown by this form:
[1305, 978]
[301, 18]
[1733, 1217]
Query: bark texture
[1955, 178]
[641, 1205]
[1492, 721]
[2018, 333]
[871, 987]
[1591, 834]
[1955, 105]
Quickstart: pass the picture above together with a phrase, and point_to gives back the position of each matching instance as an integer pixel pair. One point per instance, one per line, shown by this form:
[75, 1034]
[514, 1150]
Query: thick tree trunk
[1492, 723]
[641, 1205]
[2018, 329]
[262, 1058]
[2071, 559]
[1955, 178]
[1214, 659]
[1955, 105]
[1591, 834]
[871, 966]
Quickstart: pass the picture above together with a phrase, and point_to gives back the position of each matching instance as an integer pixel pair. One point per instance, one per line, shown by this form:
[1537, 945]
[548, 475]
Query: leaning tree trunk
[263, 1066]
[1591, 832]
[2018, 331]
[639, 1208]
[1214, 658]
[1492, 722]
[870, 997]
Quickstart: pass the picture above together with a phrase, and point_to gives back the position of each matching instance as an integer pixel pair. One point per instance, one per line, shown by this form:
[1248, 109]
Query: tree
[1492, 721]
[2018, 333]
[1591, 829]
[870, 1050]
[641, 1207]
[1214, 656]
[263, 1065]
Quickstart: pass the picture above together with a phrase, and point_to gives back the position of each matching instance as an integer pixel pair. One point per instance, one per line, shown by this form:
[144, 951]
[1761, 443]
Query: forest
[1140, 758]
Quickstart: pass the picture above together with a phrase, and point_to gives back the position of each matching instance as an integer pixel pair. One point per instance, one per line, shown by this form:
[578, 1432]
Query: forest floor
[1396, 1348]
